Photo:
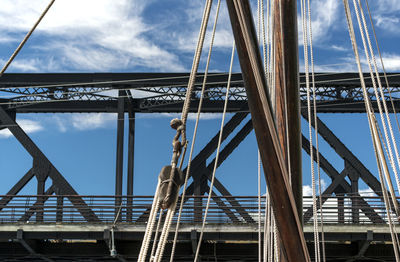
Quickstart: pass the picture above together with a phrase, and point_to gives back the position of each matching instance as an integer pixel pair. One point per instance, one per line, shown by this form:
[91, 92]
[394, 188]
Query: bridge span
[59, 231]
[59, 224]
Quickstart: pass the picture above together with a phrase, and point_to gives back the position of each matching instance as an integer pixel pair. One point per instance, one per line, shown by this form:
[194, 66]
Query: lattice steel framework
[165, 92]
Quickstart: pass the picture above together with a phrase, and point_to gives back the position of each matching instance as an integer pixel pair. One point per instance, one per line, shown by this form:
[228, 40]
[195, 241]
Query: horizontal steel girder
[165, 92]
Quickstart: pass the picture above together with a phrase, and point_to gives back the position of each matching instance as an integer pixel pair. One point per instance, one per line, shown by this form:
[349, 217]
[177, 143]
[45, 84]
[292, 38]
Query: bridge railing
[135, 209]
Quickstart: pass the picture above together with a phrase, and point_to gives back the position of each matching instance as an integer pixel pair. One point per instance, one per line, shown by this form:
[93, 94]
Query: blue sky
[158, 36]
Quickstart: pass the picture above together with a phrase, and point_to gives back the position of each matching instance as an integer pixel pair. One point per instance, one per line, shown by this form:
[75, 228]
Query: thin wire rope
[393, 235]
[195, 131]
[153, 249]
[150, 225]
[266, 225]
[382, 64]
[394, 226]
[264, 42]
[164, 233]
[394, 143]
[167, 223]
[267, 46]
[371, 119]
[276, 246]
[391, 161]
[195, 65]
[286, 117]
[316, 132]
[271, 233]
[26, 38]
[259, 11]
[259, 204]
[216, 157]
[371, 116]
[314, 199]
[272, 53]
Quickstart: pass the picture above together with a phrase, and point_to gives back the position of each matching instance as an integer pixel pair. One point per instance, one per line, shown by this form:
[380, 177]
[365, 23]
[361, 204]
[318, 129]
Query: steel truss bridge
[58, 224]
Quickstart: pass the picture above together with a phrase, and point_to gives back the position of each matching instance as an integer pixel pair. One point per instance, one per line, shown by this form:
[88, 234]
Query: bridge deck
[227, 242]
[31, 232]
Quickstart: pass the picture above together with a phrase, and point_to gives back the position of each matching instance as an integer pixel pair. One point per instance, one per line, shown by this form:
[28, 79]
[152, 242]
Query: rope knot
[178, 125]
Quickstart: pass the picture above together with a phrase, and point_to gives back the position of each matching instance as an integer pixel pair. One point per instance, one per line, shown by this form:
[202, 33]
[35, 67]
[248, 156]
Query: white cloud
[385, 14]
[322, 22]
[89, 121]
[307, 189]
[339, 48]
[60, 123]
[184, 38]
[29, 126]
[387, 22]
[31, 65]
[391, 61]
[89, 35]
[368, 192]
[385, 5]
[7, 39]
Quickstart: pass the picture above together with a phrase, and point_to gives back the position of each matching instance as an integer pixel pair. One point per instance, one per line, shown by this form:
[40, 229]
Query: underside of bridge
[221, 243]
[58, 224]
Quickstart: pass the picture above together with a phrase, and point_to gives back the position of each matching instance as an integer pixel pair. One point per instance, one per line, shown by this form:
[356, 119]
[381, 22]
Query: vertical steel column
[340, 203]
[197, 192]
[131, 163]
[120, 149]
[355, 203]
[40, 192]
[40, 170]
[355, 206]
[60, 204]
[287, 94]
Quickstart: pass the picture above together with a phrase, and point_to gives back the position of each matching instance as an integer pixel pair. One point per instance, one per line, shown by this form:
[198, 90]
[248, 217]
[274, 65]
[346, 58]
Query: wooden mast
[271, 150]
[287, 94]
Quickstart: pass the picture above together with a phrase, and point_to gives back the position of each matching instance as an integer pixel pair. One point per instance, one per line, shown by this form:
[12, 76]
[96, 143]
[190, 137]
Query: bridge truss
[126, 93]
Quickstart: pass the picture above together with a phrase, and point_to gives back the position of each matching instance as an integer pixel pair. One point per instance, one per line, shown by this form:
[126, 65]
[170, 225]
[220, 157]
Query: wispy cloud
[32, 65]
[339, 48]
[29, 126]
[92, 121]
[322, 22]
[385, 14]
[89, 35]
[389, 23]
[391, 61]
